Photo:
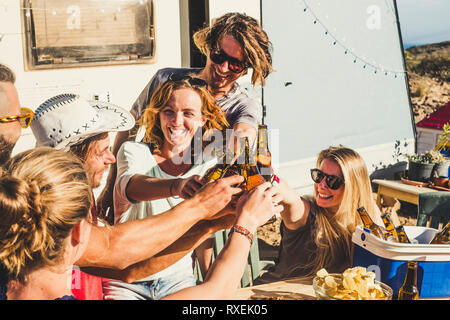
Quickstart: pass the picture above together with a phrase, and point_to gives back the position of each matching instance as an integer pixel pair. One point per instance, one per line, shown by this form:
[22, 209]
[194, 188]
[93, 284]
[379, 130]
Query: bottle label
[275, 179]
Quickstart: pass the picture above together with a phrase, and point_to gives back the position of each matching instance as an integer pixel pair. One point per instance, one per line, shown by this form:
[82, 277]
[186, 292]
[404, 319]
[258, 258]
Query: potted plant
[420, 166]
[441, 168]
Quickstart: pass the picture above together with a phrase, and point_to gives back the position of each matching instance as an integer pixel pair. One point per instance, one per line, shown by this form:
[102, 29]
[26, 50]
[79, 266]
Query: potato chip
[349, 283]
[322, 273]
[354, 284]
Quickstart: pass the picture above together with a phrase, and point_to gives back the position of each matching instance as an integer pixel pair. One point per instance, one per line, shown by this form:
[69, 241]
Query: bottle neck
[388, 223]
[446, 229]
[262, 137]
[411, 275]
[366, 219]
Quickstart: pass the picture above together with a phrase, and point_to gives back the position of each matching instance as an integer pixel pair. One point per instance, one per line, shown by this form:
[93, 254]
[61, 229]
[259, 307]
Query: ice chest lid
[423, 251]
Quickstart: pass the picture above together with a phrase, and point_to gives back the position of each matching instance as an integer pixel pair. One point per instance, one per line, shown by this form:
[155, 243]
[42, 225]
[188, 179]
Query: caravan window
[74, 33]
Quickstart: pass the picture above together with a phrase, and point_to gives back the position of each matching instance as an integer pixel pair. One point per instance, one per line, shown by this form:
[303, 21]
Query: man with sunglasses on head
[234, 43]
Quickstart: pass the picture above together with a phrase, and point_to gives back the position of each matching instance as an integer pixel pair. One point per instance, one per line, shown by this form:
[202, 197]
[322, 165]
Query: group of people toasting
[161, 205]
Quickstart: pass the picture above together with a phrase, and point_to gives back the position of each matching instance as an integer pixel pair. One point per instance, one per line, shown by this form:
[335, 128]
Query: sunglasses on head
[25, 117]
[333, 182]
[192, 81]
[220, 56]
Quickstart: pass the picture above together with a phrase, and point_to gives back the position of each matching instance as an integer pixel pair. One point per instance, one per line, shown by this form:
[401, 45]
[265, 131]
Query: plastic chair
[254, 267]
[435, 207]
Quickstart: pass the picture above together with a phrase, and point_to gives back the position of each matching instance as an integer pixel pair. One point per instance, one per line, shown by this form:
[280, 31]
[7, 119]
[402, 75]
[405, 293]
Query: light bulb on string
[332, 33]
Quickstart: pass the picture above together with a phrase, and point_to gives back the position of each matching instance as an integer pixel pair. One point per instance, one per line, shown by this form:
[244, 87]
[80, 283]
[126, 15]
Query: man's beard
[6, 149]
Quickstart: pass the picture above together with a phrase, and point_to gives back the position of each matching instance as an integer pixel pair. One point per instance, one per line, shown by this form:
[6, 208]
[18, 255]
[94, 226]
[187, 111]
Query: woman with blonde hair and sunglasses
[45, 201]
[316, 230]
[155, 175]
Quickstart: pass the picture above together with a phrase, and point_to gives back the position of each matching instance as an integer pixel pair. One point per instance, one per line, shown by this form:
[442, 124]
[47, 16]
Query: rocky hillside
[429, 77]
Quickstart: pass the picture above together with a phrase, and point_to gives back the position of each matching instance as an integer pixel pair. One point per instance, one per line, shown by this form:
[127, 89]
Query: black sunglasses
[220, 56]
[333, 182]
[192, 81]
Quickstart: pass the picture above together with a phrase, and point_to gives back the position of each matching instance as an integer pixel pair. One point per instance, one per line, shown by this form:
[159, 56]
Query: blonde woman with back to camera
[45, 201]
[316, 230]
[44, 204]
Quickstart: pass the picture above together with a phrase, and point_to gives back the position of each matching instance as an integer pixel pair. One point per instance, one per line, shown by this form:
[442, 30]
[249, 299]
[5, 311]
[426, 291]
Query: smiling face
[180, 118]
[97, 161]
[219, 77]
[326, 197]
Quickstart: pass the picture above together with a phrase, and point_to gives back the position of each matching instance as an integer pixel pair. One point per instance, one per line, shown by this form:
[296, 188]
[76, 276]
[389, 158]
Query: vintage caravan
[339, 67]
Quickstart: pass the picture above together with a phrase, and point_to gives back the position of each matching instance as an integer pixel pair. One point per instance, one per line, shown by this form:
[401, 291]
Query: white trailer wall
[340, 79]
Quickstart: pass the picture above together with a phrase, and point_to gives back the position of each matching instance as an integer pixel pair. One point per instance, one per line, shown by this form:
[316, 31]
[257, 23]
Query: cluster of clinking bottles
[256, 168]
[398, 234]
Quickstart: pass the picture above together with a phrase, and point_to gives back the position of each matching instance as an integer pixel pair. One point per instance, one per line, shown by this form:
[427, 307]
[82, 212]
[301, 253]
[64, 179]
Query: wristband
[275, 180]
[243, 231]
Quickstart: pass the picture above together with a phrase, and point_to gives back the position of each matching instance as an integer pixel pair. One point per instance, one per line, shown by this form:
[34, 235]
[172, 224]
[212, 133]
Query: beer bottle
[249, 170]
[263, 156]
[409, 291]
[443, 236]
[223, 166]
[402, 237]
[391, 233]
[218, 171]
[375, 229]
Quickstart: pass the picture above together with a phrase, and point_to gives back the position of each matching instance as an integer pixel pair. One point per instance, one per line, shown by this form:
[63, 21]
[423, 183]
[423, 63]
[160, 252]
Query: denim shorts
[147, 290]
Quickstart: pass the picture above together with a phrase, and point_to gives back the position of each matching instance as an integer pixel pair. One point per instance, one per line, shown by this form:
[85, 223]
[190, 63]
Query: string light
[347, 51]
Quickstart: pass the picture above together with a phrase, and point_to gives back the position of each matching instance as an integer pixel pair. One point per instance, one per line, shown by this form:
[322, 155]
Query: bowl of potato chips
[353, 284]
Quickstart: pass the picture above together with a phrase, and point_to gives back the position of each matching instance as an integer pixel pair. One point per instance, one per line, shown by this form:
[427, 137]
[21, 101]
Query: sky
[424, 21]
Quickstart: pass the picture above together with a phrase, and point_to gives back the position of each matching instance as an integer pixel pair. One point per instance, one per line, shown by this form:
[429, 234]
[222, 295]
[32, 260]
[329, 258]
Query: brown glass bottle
[375, 229]
[409, 291]
[250, 171]
[401, 234]
[443, 236]
[263, 156]
[218, 171]
[391, 233]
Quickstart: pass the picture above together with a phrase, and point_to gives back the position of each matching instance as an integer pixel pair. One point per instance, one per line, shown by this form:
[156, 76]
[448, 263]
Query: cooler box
[389, 260]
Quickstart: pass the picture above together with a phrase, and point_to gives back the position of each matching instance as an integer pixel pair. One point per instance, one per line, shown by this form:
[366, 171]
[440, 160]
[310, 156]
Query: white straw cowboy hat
[68, 119]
